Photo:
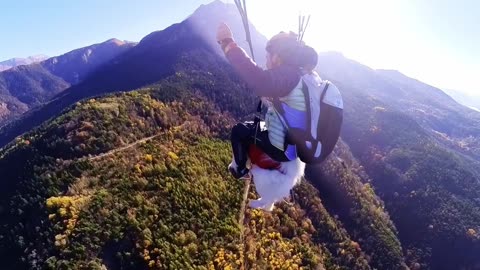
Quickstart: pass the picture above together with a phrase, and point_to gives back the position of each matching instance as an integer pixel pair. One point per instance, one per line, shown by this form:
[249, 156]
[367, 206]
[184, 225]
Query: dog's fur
[275, 185]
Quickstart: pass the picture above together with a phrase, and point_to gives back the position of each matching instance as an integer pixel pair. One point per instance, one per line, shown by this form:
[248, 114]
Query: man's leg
[263, 142]
[240, 137]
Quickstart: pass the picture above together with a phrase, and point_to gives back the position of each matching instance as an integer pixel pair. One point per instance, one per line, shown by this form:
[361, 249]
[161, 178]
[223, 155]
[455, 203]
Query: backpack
[324, 117]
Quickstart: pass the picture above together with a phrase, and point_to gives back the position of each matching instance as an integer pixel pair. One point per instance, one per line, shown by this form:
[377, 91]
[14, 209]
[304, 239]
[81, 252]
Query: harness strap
[324, 91]
[306, 94]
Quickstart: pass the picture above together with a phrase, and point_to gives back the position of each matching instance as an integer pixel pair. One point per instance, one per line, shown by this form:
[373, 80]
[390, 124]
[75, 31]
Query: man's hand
[224, 33]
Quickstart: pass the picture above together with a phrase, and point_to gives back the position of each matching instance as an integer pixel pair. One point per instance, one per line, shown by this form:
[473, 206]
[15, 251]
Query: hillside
[168, 202]
[31, 84]
[453, 125]
[420, 149]
[24, 87]
[28, 86]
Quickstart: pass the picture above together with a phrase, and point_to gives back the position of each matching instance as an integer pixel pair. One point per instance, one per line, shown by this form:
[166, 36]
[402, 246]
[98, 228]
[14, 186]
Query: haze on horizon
[435, 41]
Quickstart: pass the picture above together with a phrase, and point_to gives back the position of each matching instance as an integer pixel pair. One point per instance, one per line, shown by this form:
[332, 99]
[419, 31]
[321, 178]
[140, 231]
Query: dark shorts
[248, 133]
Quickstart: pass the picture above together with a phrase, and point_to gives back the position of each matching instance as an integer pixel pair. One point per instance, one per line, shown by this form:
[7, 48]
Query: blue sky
[53, 27]
[435, 41]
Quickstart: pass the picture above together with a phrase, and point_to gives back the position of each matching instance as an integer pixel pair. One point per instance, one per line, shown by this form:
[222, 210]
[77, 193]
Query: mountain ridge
[86, 59]
[27, 86]
[17, 61]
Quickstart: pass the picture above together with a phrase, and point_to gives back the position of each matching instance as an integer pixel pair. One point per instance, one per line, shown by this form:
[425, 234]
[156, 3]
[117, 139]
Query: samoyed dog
[275, 185]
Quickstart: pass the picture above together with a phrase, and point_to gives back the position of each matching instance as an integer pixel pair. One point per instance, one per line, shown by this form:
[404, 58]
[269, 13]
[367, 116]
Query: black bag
[324, 120]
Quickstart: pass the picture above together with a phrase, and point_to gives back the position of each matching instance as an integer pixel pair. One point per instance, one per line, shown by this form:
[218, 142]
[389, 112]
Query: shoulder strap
[259, 106]
[307, 105]
[327, 83]
[277, 105]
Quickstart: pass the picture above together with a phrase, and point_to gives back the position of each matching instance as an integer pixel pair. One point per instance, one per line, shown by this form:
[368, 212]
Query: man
[286, 59]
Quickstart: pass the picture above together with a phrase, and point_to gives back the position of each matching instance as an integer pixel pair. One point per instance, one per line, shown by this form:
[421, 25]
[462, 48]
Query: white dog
[274, 185]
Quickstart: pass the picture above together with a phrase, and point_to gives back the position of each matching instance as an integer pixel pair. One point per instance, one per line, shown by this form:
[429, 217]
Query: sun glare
[379, 34]
[365, 29]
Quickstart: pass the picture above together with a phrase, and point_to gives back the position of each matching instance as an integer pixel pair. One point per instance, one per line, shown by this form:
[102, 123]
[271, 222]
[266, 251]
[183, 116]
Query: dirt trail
[113, 151]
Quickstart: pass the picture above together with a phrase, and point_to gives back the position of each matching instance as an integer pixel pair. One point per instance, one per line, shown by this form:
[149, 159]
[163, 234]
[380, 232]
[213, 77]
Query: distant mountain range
[26, 86]
[75, 66]
[29, 86]
[8, 64]
[107, 179]
[465, 99]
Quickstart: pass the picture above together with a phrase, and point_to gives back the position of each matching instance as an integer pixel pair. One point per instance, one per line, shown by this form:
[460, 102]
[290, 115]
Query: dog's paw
[256, 204]
[259, 204]
[268, 207]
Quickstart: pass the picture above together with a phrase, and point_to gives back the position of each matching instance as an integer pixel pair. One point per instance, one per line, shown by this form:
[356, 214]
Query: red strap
[262, 160]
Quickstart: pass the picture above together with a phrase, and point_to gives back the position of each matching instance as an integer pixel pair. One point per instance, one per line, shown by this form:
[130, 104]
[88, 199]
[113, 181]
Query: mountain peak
[217, 11]
[118, 42]
[115, 41]
[212, 5]
[18, 61]
[205, 20]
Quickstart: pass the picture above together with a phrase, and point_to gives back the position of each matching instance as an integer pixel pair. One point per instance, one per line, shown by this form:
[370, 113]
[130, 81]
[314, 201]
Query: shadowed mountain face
[75, 66]
[421, 150]
[31, 84]
[450, 123]
[24, 87]
[27, 86]
[404, 141]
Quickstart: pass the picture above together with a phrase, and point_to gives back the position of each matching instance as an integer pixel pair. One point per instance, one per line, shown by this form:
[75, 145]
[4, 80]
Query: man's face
[269, 60]
[272, 60]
